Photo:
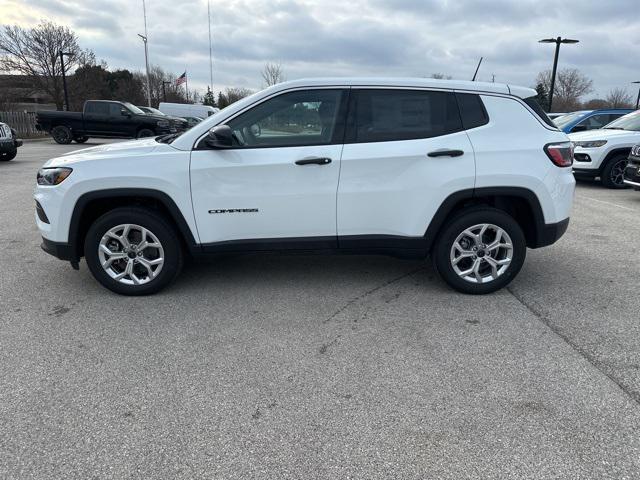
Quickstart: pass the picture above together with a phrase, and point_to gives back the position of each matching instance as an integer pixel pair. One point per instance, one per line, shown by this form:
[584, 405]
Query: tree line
[35, 54]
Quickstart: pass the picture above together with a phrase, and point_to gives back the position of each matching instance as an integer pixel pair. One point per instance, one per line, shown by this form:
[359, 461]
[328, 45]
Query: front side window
[115, 109]
[308, 117]
[390, 115]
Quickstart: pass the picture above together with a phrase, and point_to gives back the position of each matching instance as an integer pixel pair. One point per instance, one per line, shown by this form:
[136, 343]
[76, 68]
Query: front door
[277, 184]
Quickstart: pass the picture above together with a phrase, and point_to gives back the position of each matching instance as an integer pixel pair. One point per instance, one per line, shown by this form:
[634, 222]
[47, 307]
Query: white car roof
[186, 141]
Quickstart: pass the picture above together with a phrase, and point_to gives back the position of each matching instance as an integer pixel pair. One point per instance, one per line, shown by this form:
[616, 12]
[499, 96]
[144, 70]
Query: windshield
[133, 108]
[631, 121]
[567, 119]
[155, 111]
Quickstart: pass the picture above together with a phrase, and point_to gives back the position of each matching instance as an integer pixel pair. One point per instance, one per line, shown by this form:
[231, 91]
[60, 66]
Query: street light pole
[146, 61]
[557, 41]
[64, 78]
[638, 99]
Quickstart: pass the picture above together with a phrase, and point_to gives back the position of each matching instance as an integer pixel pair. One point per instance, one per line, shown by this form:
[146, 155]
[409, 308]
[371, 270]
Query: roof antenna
[477, 68]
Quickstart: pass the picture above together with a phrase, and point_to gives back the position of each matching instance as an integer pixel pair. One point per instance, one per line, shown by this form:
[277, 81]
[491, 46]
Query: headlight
[594, 144]
[53, 176]
[163, 123]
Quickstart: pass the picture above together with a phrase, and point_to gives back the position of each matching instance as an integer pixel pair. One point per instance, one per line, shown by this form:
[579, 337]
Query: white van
[187, 109]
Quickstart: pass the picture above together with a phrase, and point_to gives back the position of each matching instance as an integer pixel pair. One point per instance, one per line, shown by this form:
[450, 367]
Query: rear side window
[472, 110]
[387, 115]
[97, 108]
[535, 106]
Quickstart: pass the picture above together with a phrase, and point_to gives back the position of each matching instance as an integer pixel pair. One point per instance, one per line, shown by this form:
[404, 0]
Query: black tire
[613, 172]
[62, 135]
[81, 139]
[7, 156]
[146, 132]
[154, 223]
[441, 253]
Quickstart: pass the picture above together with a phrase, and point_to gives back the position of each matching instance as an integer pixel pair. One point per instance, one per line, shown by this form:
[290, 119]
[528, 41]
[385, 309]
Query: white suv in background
[471, 173]
[604, 153]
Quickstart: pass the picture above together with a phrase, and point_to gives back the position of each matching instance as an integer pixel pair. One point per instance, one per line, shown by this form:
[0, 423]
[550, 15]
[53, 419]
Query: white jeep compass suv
[471, 173]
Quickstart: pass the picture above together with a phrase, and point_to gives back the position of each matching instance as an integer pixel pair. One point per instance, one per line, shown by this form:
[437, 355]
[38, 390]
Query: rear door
[405, 153]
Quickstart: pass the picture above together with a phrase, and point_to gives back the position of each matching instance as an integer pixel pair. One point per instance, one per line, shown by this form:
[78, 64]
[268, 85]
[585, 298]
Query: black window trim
[350, 127]
[338, 134]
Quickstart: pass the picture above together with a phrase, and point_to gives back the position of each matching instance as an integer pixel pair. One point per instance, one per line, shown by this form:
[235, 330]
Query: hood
[603, 134]
[132, 148]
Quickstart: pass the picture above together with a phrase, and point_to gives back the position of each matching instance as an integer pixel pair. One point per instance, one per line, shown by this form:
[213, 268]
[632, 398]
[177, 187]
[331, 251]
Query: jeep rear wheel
[480, 250]
[62, 135]
[133, 251]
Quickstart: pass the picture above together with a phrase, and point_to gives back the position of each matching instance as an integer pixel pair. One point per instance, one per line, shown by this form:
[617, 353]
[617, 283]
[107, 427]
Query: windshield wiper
[170, 137]
[612, 128]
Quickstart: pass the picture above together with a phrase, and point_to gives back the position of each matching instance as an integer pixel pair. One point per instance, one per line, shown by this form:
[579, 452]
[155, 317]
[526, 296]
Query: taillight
[561, 154]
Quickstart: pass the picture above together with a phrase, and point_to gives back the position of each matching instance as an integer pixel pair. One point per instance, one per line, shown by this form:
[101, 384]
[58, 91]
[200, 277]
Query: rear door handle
[314, 161]
[446, 153]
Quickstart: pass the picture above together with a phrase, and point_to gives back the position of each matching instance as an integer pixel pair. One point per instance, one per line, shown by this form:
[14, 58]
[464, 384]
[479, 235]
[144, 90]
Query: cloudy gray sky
[354, 37]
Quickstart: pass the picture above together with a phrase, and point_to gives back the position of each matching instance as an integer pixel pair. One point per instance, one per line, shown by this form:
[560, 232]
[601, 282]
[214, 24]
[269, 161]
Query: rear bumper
[63, 251]
[551, 233]
[586, 172]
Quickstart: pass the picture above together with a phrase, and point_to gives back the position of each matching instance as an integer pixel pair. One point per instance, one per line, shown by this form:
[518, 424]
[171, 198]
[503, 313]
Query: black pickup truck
[104, 119]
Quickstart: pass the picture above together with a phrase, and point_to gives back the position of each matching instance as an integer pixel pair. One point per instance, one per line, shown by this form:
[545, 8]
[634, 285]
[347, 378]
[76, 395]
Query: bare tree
[231, 95]
[619, 98]
[571, 84]
[35, 52]
[272, 74]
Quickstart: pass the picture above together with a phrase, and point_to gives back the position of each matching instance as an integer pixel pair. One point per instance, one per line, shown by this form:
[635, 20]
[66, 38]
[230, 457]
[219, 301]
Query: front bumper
[632, 173]
[63, 251]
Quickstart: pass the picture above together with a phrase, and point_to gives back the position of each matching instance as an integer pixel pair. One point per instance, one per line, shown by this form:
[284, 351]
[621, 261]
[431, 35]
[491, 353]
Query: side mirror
[220, 136]
[579, 128]
[125, 113]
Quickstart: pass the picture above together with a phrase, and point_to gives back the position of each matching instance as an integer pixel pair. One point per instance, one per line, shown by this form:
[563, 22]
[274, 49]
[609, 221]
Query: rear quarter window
[532, 102]
[472, 110]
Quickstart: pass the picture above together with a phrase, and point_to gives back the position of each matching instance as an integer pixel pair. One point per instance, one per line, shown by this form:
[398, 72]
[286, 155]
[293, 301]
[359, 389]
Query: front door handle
[313, 161]
[446, 153]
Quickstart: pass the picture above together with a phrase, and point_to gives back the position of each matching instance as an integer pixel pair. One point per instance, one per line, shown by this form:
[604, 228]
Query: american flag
[181, 79]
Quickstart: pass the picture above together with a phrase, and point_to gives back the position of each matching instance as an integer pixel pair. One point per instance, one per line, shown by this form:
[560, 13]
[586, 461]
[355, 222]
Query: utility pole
[64, 79]
[146, 52]
[557, 41]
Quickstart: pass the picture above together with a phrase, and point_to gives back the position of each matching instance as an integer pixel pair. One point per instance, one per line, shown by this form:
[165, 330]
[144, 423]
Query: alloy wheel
[617, 172]
[481, 253]
[131, 254]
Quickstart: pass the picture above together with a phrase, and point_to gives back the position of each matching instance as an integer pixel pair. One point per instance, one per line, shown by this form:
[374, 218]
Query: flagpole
[210, 49]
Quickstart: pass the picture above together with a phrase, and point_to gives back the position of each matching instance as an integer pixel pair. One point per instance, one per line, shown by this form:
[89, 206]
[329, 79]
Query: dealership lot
[270, 366]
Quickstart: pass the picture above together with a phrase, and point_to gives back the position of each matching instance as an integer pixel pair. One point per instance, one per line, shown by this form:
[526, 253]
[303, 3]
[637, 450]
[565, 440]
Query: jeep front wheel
[480, 250]
[133, 251]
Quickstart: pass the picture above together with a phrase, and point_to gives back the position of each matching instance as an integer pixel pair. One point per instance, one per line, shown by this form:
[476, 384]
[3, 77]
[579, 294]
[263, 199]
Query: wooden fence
[22, 122]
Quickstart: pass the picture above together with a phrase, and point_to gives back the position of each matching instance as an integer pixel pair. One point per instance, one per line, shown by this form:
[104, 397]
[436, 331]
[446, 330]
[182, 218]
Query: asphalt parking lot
[316, 367]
